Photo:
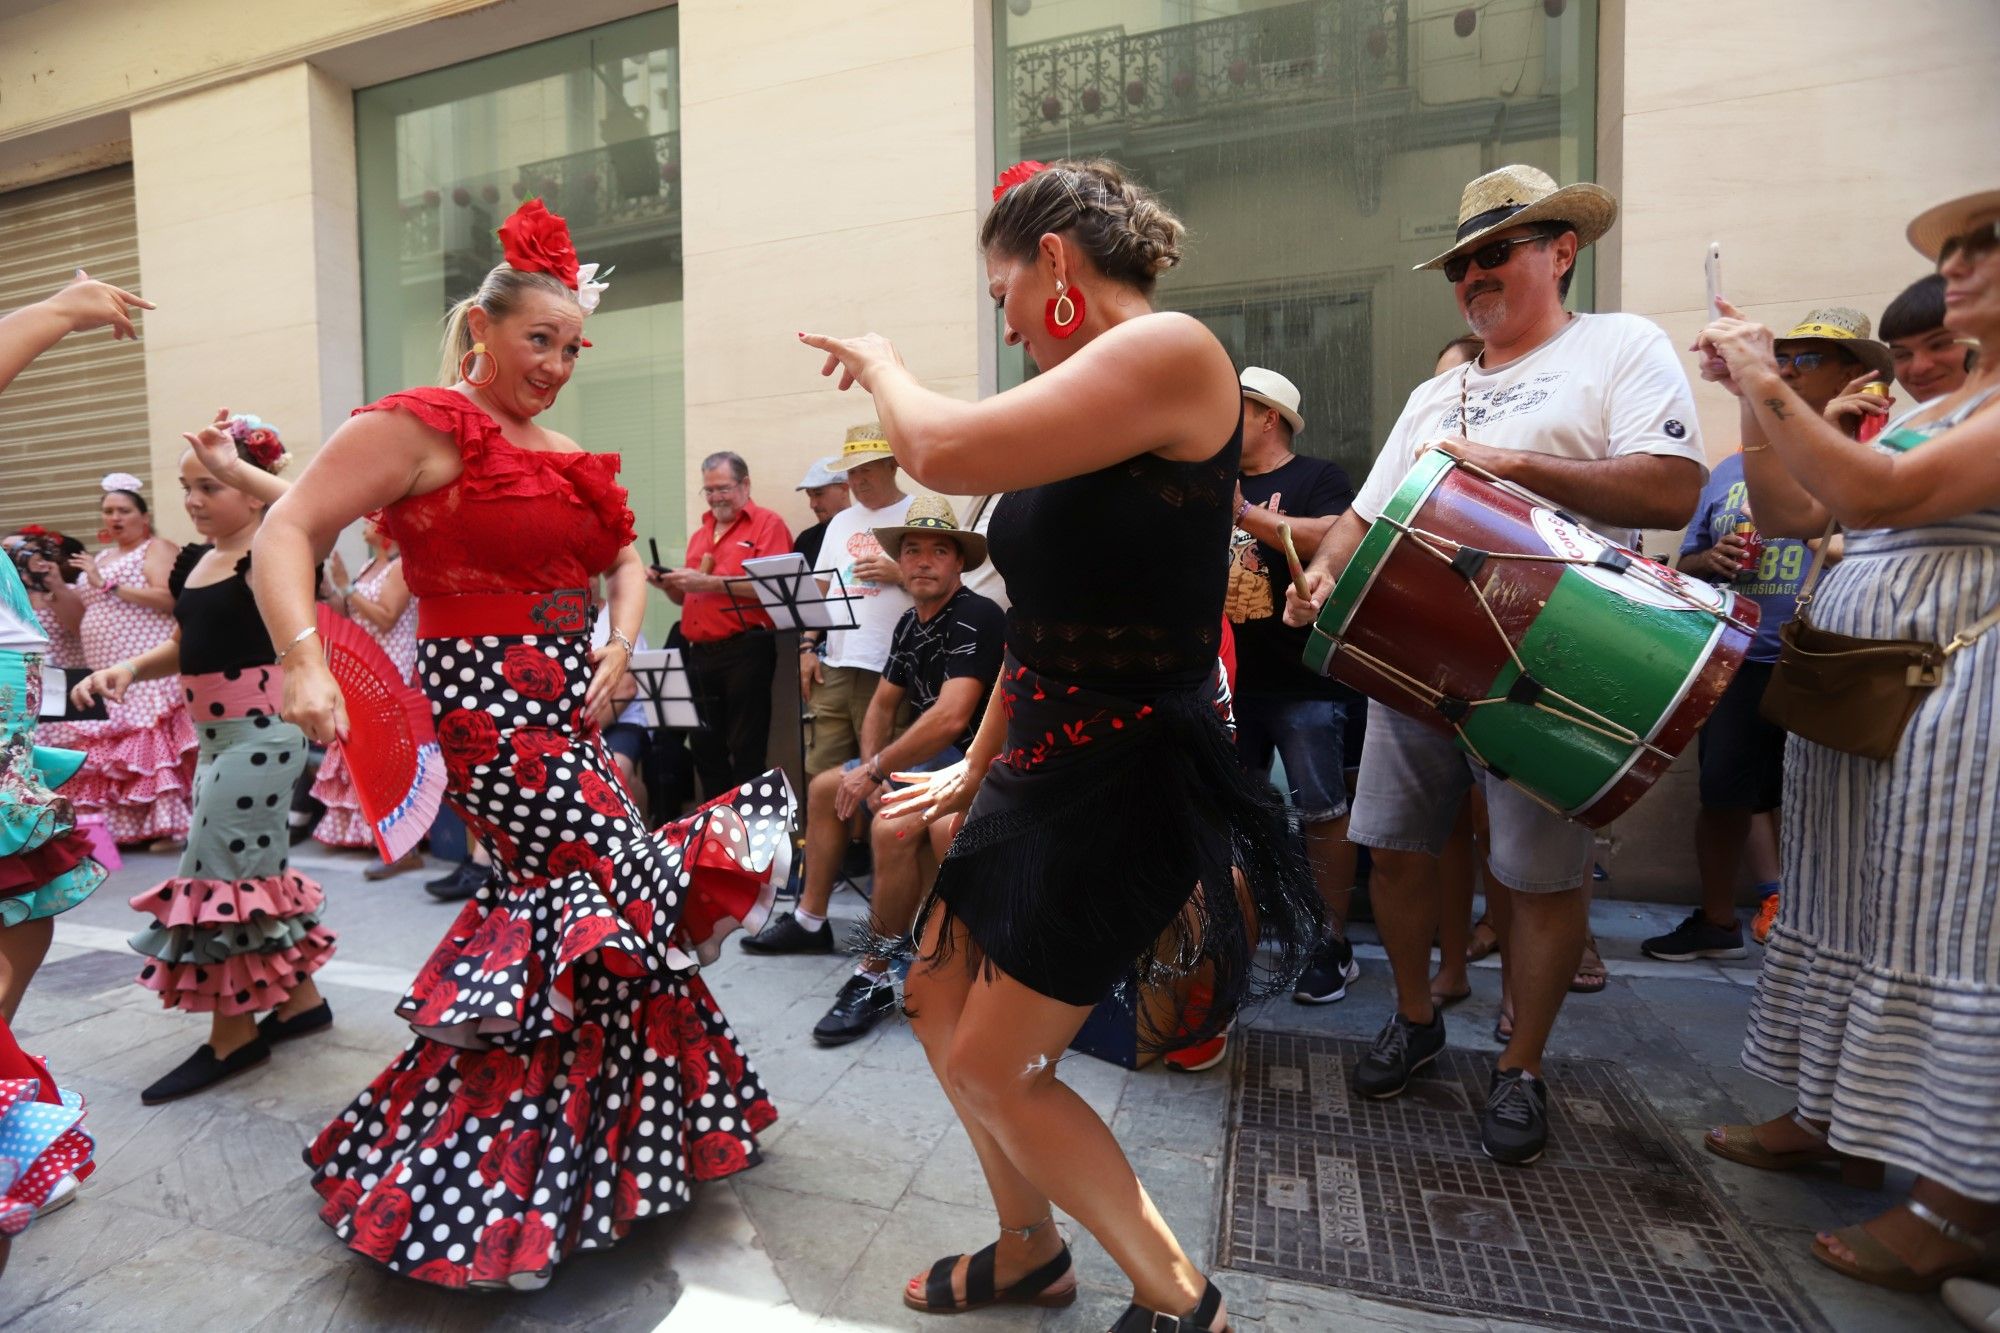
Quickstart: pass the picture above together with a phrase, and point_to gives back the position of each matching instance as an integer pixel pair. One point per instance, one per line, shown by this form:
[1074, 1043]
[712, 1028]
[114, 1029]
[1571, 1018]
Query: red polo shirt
[757, 532]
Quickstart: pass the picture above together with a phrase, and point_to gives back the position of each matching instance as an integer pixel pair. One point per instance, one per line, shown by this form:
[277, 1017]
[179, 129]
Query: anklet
[1028, 1230]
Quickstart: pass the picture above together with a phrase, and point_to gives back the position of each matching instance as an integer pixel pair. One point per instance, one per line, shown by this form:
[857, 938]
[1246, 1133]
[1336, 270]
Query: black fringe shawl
[1099, 849]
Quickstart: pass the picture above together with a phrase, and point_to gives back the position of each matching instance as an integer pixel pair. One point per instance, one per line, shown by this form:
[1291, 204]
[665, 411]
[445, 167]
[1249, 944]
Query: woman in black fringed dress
[1104, 806]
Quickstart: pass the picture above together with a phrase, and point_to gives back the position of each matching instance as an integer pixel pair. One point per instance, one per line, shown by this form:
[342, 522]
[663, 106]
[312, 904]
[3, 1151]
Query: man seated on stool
[944, 657]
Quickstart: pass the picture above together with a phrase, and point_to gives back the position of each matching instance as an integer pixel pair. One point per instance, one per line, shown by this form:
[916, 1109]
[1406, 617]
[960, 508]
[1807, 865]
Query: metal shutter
[80, 410]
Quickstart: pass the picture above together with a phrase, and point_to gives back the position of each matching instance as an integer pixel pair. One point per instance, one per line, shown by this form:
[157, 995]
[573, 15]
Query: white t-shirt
[1606, 386]
[850, 536]
[985, 580]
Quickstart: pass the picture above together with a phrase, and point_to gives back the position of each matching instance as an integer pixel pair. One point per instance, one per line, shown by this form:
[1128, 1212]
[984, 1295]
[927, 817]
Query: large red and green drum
[1574, 668]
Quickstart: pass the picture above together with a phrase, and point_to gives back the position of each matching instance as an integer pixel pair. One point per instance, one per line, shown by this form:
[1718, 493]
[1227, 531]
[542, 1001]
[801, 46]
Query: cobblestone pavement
[200, 1213]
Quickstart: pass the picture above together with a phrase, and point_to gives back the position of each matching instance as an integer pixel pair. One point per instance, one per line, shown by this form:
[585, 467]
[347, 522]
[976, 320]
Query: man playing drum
[1594, 413]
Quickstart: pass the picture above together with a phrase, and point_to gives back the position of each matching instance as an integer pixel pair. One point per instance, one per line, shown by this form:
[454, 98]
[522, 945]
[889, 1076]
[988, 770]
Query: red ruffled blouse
[515, 520]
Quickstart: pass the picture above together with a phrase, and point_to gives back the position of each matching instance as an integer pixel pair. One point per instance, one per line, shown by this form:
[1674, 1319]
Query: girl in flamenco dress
[45, 864]
[236, 931]
[139, 762]
[378, 600]
[570, 1073]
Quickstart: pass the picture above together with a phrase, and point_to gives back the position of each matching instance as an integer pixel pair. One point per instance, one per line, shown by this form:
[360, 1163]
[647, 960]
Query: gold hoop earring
[470, 360]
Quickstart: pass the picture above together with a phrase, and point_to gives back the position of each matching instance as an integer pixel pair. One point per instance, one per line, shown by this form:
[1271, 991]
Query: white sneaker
[61, 1196]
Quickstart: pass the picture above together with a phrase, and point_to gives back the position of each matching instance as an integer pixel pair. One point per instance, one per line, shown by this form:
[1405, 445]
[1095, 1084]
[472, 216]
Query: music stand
[665, 690]
[789, 594]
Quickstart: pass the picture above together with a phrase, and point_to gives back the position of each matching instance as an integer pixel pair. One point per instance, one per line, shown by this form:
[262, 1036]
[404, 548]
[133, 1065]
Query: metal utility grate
[1611, 1230]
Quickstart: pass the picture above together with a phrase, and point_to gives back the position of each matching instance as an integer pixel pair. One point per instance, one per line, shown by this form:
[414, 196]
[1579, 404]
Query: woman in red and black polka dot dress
[571, 1073]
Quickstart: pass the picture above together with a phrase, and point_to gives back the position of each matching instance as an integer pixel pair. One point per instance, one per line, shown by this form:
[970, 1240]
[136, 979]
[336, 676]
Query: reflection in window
[1316, 150]
[590, 123]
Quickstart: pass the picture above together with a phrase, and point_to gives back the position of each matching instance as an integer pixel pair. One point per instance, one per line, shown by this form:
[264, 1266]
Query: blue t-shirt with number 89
[1774, 584]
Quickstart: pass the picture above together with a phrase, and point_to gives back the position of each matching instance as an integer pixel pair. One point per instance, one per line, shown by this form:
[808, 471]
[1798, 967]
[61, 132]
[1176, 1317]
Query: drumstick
[1292, 559]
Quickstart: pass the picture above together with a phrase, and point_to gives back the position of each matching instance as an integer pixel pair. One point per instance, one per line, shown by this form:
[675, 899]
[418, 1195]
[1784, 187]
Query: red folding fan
[391, 748]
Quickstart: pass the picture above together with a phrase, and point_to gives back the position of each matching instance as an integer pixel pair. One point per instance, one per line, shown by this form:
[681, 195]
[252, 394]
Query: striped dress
[1879, 996]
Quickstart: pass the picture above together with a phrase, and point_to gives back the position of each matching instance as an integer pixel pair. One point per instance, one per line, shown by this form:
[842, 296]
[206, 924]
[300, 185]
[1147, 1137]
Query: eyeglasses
[1803, 362]
[1491, 255]
[1975, 244]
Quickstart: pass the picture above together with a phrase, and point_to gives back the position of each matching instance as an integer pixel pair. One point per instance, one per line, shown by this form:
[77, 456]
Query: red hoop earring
[471, 359]
[1064, 324]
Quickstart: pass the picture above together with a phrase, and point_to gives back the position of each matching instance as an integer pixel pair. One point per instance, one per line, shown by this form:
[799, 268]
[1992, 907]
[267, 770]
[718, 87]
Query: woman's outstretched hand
[933, 795]
[855, 358]
[89, 304]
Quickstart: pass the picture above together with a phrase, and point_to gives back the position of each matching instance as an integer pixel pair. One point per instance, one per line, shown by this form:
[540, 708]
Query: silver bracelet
[298, 639]
[618, 637]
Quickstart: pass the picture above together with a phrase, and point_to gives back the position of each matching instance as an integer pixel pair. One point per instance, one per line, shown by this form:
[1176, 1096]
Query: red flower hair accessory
[535, 240]
[1016, 174]
[37, 530]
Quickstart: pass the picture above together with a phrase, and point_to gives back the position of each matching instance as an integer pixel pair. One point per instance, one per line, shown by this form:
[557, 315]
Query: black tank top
[220, 627]
[1117, 576]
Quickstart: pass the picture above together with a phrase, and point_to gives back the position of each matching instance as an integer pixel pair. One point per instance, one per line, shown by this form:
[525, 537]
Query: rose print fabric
[571, 1074]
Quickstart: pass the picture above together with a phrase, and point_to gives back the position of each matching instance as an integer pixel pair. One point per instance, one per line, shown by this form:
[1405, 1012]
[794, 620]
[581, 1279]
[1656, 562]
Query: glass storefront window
[1316, 150]
[590, 123]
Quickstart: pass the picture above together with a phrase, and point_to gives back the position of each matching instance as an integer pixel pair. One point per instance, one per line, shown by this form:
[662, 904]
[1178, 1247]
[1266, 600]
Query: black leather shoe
[204, 1070]
[786, 935]
[275, 1029]
[862, 1003]
[461, 884]
[448, 877]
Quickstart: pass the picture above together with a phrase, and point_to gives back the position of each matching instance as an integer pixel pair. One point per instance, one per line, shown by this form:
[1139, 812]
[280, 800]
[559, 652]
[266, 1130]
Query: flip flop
[1484, 941]
[1440, 1001]
[1503, 1028]
[1591, 974]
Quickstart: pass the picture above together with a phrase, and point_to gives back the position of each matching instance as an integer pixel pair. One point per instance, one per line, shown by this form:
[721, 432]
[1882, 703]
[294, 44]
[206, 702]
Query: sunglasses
[1975, 244]
[1491, 255]
[1803, 362]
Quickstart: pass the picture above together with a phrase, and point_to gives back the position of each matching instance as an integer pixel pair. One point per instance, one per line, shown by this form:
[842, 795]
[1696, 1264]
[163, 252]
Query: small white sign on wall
[1426, 229]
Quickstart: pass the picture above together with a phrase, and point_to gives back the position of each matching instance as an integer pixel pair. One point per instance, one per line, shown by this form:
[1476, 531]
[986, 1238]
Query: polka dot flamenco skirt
[571, 1073]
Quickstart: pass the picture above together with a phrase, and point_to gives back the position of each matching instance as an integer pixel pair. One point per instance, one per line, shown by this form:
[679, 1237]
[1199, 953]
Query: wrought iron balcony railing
[627, 186]
[1106, 78]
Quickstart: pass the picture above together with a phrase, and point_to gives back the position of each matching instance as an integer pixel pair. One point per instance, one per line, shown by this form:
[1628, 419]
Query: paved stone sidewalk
[200, 1210]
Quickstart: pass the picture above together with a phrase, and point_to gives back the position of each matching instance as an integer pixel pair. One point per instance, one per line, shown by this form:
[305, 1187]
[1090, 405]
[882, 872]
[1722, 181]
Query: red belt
[505, 614]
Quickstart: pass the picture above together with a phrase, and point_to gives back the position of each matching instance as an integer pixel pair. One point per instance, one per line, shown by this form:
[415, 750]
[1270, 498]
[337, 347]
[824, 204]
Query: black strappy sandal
[1138, 1319]
[979, 1293]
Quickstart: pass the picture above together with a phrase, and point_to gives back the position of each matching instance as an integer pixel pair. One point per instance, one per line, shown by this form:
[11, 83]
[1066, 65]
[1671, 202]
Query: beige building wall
[832, 157]
[1803, 135]
[248, 246]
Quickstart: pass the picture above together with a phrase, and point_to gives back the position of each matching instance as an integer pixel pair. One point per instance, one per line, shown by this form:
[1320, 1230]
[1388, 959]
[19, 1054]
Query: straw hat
[1273, 390]
[865, 443]
[931, 516]
[1515, 195]
[1847, 328]
[1934, 226]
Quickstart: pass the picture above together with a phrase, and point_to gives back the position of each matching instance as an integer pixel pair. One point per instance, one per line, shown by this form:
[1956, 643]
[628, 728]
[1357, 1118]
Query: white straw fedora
[1273, 390]
[1518, 194]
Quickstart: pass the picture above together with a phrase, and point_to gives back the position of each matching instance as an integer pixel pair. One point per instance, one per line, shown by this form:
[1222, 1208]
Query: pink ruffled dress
[138, 767]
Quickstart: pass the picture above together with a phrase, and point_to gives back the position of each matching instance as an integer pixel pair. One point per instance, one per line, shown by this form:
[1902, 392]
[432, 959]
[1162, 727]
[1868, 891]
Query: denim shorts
[1413, 782]
[1307, 735]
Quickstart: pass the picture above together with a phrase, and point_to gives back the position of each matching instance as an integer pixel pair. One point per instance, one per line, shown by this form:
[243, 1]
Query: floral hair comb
[535, 240]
